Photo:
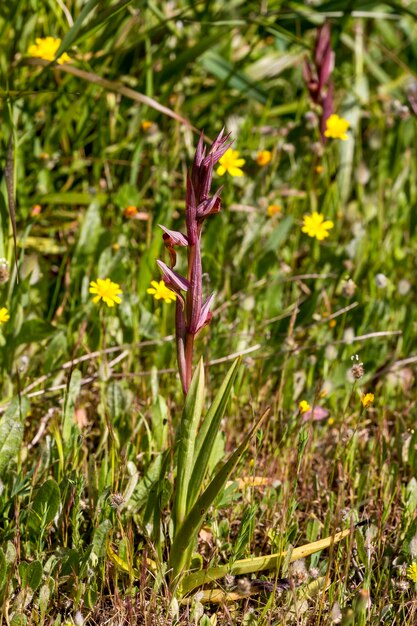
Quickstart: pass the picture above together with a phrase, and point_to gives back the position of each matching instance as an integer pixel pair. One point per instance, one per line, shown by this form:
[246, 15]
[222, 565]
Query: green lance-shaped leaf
[72, 34]
[45, 506]
[71, 396]
[184, 538]
[11, 431]
[33, 575]
[3, 569]
[186, 437]
[90, 231]
[208, 432]
[258, 563]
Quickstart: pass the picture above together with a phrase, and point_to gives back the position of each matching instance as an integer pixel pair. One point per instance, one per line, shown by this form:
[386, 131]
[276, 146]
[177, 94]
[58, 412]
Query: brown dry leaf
[205, 535]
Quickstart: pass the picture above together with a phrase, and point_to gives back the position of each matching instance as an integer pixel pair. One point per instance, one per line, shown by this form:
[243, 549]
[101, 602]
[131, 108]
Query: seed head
[357, 371]
[357, 368]
[116, 500]
[348, 288]
[4, 271]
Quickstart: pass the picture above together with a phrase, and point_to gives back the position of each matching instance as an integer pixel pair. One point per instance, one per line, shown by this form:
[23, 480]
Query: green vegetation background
[89, 395]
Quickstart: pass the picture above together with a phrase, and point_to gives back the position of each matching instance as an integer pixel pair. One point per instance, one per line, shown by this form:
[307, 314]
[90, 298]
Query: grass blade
[259, 563]
[187, 532]
[185, 442]
[72, 34]
[208, 433]
[9, 175]
[111, 85]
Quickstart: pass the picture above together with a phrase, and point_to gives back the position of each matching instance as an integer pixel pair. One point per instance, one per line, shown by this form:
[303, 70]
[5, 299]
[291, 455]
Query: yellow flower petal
[161, 291]
[230, 163]
[106, 290]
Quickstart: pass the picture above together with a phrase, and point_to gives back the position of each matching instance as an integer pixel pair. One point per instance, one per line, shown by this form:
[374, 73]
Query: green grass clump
[94, 156]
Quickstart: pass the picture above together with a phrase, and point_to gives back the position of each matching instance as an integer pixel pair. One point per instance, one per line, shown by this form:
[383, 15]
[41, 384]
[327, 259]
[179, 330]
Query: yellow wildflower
[273, 209]
[160, 291]
[4, 315]
[230, 163]
[46, 48]
[412, 572]
[336, 127]
[304, 406]
[330, 421]
[315, 226]
[146, 125]
[106, 290]
[263, 157]
[367, 399]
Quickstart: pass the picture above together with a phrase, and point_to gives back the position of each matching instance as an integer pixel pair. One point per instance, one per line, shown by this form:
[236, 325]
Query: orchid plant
[192, 313]
[198, 481]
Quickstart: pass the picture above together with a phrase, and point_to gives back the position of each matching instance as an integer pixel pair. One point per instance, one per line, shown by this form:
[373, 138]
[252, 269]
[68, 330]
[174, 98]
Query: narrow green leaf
[34, 330]
[98, 547]
[208, 432]
[3, 569]
[11, 431]
[72, 34]
[105, 15]
[279, 234]
[185, 441]
[73, 391]
[89, 234]
[10, 176]
[71, 198]
[45, 593]
[227, 72]
[185, 536]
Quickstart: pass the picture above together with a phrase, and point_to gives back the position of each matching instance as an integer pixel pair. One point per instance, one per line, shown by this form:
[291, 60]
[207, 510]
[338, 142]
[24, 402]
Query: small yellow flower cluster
[274, 209]
[106, 290]
[315, 226]
[367, 399]
[412, 572]
[263, 157]
[336, 127]
[130, 211]
[4, 315]
[109, 292]
[304, 406]
[231, 163]
[161, 292]
[46, 48]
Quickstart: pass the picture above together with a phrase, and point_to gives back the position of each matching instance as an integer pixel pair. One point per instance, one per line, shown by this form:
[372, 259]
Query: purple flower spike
[172, 279]
[205, 315]
[174, 237]
[317, 76]
[192, 314]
